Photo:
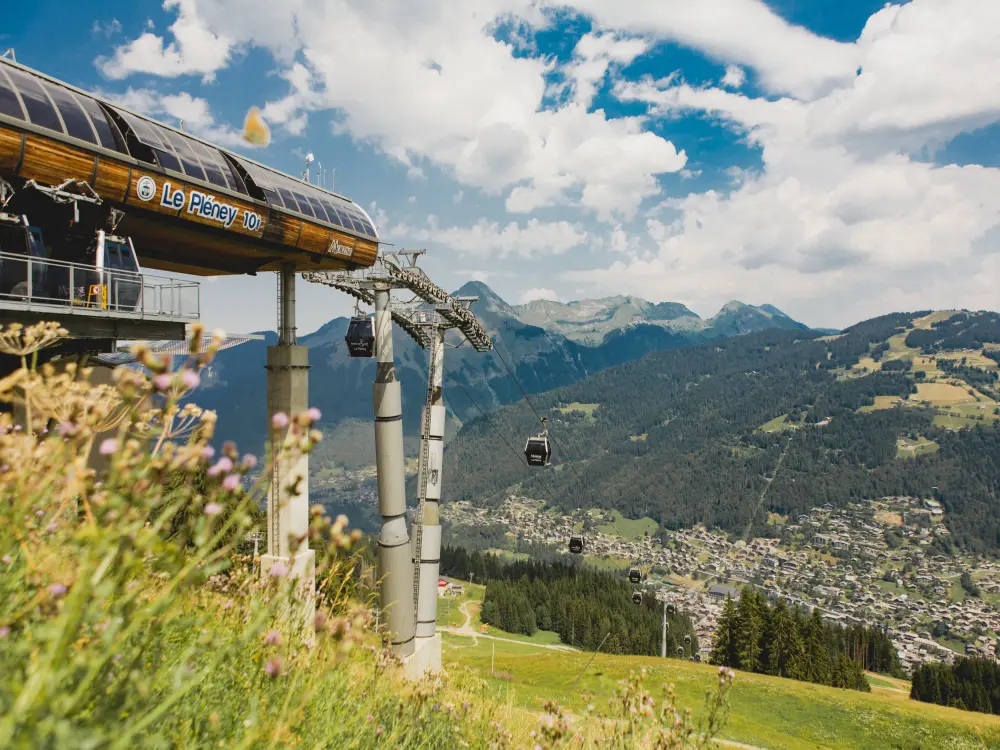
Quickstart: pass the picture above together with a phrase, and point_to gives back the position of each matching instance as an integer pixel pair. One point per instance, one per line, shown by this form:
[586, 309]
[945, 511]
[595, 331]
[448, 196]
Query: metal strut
[424, 465]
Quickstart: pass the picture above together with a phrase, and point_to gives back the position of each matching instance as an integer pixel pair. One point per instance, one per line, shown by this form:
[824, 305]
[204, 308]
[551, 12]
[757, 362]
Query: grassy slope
[766, 711]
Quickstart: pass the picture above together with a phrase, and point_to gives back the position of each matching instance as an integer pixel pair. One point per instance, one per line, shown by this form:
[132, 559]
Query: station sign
[338, 249]
[197, 202]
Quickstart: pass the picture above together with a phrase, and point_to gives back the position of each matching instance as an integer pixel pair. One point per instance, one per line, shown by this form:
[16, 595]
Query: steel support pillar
[288, 493]
[663, 642]
[395, 565]
[428, 641]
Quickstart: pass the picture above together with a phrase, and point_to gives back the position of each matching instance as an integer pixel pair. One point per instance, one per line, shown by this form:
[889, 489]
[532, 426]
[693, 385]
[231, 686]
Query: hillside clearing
[928, 321]
[778, 424]
[628, 528]
[881, 402]
[942, 394]
[587, 409]
[912, 448]
[972, 358]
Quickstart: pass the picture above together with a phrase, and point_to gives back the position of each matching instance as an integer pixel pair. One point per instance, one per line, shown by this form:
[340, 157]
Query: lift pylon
[425, 318]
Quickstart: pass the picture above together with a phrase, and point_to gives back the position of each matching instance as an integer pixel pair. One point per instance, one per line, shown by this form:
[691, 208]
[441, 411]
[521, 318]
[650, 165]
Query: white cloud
[489, 238]
[106, 28]
[195, 49]
[457, 197]
[841, 223]
[594, 54]
[530, 295]
[788, 59]
[735, 77]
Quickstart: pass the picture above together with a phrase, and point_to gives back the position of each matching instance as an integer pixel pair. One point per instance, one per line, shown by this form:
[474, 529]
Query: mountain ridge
[541, 357]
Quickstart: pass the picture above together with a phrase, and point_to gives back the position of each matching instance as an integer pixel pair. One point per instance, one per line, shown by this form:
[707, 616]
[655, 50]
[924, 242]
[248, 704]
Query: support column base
[426, 658]
[300, 613]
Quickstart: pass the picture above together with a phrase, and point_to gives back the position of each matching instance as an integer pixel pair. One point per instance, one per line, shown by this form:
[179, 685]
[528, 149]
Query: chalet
[719, 592]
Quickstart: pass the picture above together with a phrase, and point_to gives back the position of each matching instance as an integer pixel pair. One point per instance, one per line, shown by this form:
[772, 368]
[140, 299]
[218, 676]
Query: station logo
[145, 188]
[337, 249]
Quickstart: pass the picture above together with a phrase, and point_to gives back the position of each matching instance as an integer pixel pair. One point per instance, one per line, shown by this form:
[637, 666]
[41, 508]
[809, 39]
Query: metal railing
[41, 284]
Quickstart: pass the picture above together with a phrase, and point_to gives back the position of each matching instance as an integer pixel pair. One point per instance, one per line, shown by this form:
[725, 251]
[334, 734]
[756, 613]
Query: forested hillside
[696, 435]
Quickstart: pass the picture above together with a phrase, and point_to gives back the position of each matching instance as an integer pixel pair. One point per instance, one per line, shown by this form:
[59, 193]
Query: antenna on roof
[309, 160]
[319, 174]
[9, 54]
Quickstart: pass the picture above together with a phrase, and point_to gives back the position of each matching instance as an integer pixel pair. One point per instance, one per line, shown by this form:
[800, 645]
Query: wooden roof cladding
[176, 222]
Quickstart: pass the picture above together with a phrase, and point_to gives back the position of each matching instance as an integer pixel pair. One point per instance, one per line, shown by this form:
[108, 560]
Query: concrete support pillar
[395, 567]
[428, 641]
[288, 512]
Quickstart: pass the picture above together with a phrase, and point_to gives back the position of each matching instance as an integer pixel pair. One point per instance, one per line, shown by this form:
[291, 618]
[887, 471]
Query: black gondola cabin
[360, 337]
[635, 575]
[537, 451]
[637, 597]
[576, 544]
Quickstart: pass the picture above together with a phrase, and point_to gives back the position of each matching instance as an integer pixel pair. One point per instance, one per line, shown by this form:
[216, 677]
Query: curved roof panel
[284, 192]
[54, 107]
[180, 152]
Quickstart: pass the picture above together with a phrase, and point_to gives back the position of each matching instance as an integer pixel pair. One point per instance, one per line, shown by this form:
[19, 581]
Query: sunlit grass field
[766, 711]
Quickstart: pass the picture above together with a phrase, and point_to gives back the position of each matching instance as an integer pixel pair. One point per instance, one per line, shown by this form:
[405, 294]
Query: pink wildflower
[314, 414]
[213, 509]
[108, 446]
[279, 570]
[65, 428]
[231, 482]
[249, 461]
[6, 560]
[207, 452]
[162, 381]
[190, 379]
[57, 590]
[280, 420]
[272, 638]
[273, 666]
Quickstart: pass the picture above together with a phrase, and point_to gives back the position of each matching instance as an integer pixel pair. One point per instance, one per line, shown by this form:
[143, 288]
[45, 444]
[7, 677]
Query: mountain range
[546, 344]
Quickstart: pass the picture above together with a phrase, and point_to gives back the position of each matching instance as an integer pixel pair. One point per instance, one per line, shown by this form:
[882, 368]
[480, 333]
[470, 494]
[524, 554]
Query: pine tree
[817, 658]
[724, 649]
[749, 629]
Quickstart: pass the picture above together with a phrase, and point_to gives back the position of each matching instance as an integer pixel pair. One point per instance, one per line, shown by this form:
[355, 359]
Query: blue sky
[835, 158]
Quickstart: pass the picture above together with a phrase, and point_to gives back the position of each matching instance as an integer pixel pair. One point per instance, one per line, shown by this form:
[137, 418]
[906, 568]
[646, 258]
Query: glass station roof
[54, 107]
[32, 98]
[180, 153]
[283, 191]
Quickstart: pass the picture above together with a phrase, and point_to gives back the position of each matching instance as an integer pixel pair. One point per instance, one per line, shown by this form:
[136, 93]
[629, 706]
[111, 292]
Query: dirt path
[467, 630]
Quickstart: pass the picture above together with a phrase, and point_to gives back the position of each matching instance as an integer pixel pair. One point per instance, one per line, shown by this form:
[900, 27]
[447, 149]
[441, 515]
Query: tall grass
[129, 619]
